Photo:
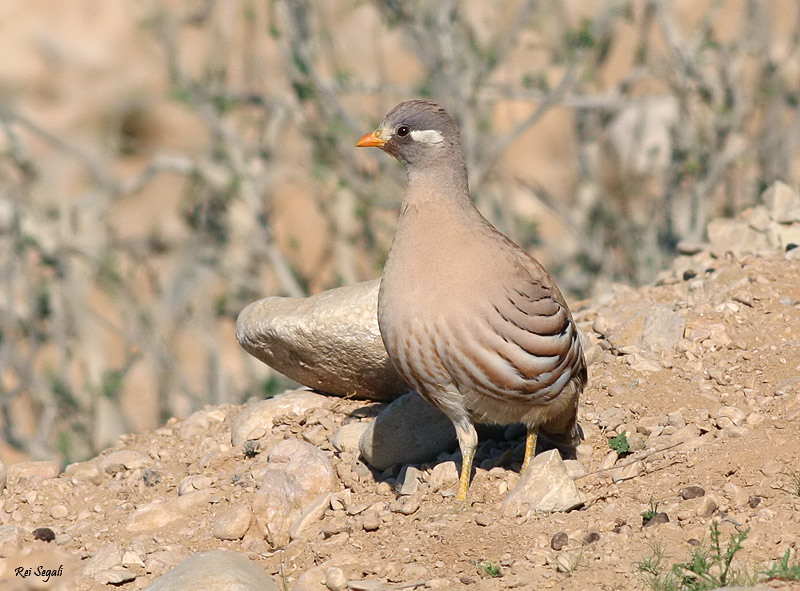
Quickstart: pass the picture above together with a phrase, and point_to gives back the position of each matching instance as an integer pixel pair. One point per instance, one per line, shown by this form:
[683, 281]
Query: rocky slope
[700, 371]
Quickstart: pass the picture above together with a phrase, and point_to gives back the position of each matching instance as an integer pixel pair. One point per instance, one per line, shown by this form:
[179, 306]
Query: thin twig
[631, 461]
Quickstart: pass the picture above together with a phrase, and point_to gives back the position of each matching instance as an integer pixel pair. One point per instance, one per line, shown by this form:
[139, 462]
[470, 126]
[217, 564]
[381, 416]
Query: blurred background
[165, 163]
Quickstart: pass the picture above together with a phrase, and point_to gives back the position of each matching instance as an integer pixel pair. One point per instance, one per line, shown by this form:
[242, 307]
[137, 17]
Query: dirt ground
[720, 412]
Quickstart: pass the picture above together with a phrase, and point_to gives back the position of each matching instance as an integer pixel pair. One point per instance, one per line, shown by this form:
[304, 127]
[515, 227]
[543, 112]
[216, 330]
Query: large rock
[216, 570]
[297, 474]
[544, 486]
[408, 431]
[329, 341]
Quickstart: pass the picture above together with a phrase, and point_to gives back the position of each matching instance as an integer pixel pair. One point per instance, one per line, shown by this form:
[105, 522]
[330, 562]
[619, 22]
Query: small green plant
[620, 444]
[783, 570]
[489, 568]
[711, 569]
[707, 568]
[652, 567]
[650, 512]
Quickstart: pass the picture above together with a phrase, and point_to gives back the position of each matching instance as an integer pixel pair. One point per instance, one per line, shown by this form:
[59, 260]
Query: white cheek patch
[427, 136]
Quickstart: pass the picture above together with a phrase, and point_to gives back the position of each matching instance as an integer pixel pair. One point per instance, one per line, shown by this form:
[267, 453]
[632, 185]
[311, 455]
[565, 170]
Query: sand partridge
[474, 323]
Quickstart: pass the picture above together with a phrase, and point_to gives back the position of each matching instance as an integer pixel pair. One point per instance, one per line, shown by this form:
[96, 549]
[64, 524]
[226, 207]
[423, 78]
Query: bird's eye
[403, 130]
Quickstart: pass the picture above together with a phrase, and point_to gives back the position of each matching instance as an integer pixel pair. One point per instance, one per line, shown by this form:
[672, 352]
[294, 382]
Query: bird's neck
[444, 183]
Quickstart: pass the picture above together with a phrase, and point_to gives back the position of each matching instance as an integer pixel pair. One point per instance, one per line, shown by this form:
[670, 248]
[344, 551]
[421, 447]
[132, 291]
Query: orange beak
[370, 140]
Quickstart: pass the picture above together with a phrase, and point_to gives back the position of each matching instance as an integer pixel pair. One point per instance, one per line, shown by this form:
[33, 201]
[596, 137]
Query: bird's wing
[523, 346]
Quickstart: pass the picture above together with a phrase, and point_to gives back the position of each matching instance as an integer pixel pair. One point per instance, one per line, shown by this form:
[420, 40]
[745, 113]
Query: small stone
[543, 486]
[152, 516]
[370, 521]
[347, 436]
[409, 506]
[58, 511]
[312, 513]
[675, 419]
[84, 472]
[736, 495]
[636, 442]
[692, 492]
[735, 417]
[609, 461]
[657, 519]
[686, 433]
[442, 475]
[193, 483]
[601, 326]
[707, 507]
[408, 480]
[114, 576]
[297, 473]
[643, 364]
[663, 328]
[42, 470]
[771, 468]
[754, 501]
[558, 541]
[414, 572]
[611, 418]
[261, 414]
[106, 557]
[483, 520]
[131, 559]
[45, 534]
[648, 425]
[335, 579]
[124, 459]
[564, 564]
[232, 524]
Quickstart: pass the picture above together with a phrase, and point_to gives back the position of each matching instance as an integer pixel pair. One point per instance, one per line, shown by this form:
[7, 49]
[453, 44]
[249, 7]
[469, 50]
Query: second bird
[470, 320]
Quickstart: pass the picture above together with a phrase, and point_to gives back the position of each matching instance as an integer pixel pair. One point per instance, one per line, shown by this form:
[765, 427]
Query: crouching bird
[470, 320]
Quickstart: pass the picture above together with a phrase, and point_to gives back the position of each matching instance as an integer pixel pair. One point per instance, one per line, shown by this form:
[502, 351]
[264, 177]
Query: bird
[471, 321]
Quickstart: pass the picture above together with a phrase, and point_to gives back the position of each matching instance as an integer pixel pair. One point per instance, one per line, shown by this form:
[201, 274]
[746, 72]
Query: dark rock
[657, 519]
[558, 541]
[692, 492]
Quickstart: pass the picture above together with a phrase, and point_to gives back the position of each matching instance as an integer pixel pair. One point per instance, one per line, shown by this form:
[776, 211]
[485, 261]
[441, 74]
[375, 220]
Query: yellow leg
[467, 442]
[530, 447]
[466, 471]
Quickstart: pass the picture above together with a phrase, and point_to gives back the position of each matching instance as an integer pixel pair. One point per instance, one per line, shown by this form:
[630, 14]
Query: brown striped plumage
[474, 323]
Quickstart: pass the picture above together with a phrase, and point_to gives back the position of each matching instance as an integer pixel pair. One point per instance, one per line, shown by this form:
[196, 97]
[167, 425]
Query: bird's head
[417, 133]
